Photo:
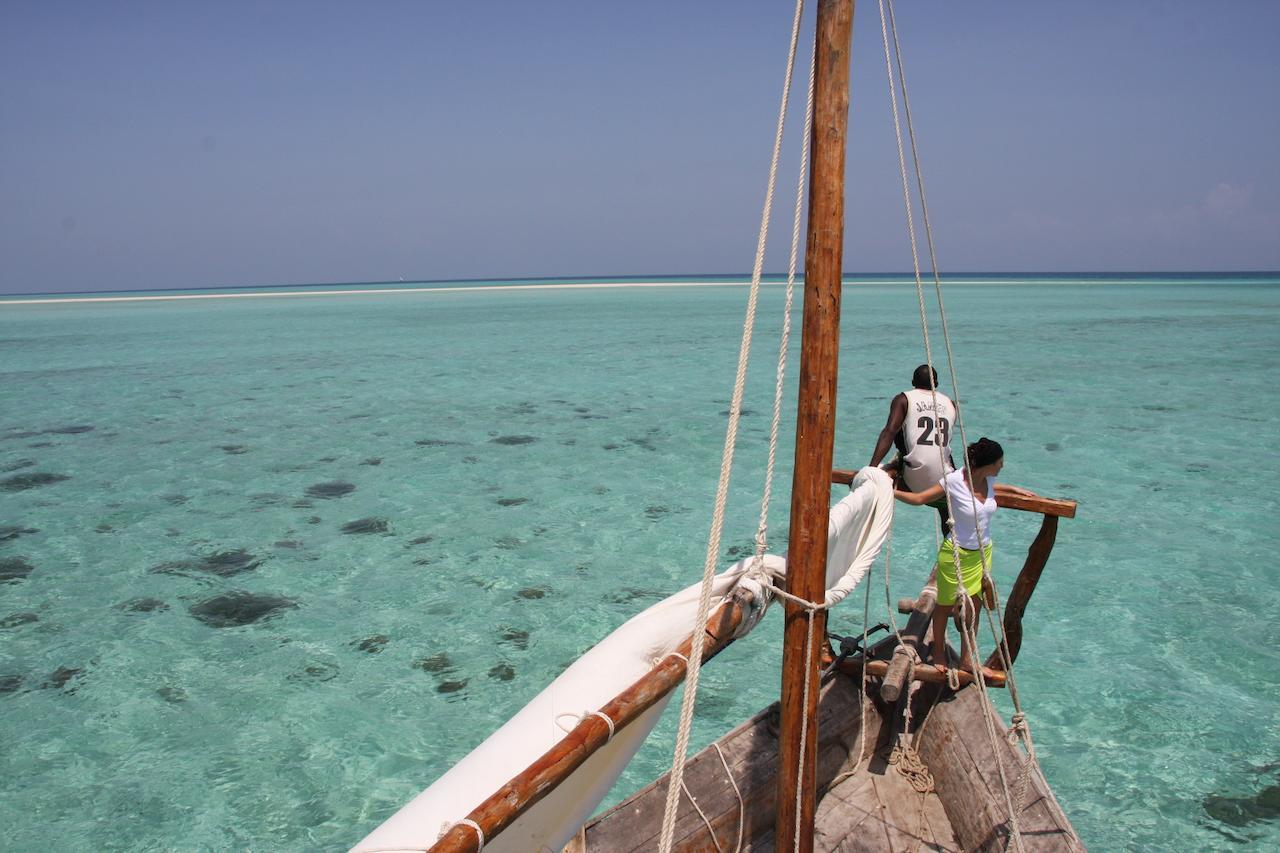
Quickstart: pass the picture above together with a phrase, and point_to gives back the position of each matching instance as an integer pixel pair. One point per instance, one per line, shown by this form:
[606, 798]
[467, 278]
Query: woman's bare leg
[940, 614]
[969, 615]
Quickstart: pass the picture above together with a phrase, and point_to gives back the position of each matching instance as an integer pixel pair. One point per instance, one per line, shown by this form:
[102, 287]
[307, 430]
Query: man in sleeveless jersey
[919, 425]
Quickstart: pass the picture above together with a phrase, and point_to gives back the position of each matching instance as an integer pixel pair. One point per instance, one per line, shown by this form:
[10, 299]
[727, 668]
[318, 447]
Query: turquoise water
[520, 472]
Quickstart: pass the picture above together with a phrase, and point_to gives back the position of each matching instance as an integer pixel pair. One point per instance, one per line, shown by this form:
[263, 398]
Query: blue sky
[149, 145]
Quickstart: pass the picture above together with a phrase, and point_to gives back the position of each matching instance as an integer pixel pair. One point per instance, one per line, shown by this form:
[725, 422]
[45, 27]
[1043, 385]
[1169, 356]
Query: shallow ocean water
[519, 472]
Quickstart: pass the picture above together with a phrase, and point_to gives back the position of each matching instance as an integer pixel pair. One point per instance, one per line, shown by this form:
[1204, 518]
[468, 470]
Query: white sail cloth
[858, 527]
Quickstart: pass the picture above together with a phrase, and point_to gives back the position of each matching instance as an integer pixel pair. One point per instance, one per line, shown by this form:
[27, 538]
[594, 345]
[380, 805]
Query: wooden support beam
[922, 672]
[815, 427]
[913, 634]
[1034, 503]
[543, 775]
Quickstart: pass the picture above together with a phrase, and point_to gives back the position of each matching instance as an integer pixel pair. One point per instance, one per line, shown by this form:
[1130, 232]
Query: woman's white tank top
[963, 501]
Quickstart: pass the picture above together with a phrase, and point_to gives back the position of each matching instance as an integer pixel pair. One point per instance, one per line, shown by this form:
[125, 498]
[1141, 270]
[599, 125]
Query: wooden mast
[815, 425]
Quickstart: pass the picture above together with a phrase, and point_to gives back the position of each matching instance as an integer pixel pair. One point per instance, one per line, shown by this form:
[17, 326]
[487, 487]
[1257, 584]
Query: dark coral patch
[14, 569]
[331, 489]
[372, 460]
[512, 501]
[142, 605]
[62, 676]
[18, 465]
[1052, 446]
[373, 644]
[1243, 811]
[233, 449]
[77, 429]
[436, 442]
[508, 543]
[13, 620]
[172, 695]
[656, 512]
[22, 482]
[10, 683]
[174, 500]
[366, 525]
[239, 608]
[628, 594]
[514, 439]
[316, 672]
[451, 686]
[223, 564]
[502, 672]
[422, 540]
[514, 637]
[289, 544]
[438, 662]
[532, 593]
[13, 531]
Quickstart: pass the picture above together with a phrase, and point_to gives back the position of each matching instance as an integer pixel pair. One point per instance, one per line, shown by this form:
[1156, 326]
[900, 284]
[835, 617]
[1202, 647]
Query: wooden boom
[1045, 506]
[542, 776]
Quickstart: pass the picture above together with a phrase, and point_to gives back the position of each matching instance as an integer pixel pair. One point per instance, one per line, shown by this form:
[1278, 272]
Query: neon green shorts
[970, 571]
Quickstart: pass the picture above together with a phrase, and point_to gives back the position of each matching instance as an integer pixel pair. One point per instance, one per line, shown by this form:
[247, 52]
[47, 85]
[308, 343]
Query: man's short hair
[920, 379]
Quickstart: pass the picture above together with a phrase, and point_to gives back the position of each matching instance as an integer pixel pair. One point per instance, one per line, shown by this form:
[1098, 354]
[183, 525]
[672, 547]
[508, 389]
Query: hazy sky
[234, 144]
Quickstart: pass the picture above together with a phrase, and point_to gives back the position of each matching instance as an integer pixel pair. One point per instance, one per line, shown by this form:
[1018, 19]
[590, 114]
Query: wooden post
[906, 656]
[815, 427]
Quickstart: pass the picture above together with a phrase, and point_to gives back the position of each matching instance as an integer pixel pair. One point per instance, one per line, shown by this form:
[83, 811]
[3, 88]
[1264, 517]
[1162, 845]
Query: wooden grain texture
[874, 811]
[751, 751]
[543, 775]
[954, 744]
[815, 415]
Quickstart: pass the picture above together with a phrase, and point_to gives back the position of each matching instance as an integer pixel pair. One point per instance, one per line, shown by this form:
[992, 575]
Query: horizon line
[183, 295]
[557, 281]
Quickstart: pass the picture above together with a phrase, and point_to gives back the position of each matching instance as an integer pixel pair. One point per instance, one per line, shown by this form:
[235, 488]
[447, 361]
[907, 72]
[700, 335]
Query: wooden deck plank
[751, 753]
[956, 746]
[875, 811]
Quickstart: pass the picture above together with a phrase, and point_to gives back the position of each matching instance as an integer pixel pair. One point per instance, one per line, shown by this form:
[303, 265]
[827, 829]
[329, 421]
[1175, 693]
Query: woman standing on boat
[971, 493]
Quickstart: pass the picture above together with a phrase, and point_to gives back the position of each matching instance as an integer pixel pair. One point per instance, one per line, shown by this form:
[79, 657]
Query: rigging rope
[1020, 728]
[675, 780]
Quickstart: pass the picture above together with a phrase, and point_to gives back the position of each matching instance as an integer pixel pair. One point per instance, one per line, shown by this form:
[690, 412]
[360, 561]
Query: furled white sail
[859, 524]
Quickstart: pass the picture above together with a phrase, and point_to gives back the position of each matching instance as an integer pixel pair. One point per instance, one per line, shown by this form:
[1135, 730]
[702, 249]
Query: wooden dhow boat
[866, 749]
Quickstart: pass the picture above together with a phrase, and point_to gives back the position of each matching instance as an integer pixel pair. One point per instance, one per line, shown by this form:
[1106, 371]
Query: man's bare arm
[897, 414]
